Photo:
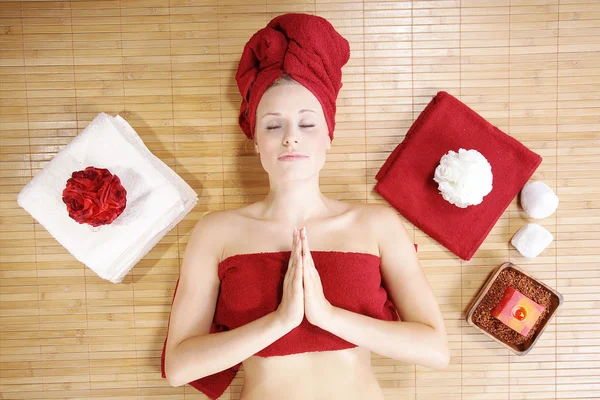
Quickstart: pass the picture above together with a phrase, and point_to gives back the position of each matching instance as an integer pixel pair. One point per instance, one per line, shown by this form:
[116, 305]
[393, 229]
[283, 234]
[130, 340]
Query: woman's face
[289, 118]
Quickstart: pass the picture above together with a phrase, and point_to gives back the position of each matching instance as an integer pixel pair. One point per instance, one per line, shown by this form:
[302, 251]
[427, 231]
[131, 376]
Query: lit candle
[517, 311]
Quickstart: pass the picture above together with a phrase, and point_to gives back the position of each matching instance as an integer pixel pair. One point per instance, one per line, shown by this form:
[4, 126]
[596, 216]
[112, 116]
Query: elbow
[442, 360]
[171, 372]
[176, 373]
[437, 353]
[172, 382]
[437, 360]
[171, 378]
[441, 357]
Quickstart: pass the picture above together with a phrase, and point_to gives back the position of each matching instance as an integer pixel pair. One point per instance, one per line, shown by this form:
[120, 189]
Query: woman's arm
[410, 342]
[191, 351]
[420, 337]
[203, 355]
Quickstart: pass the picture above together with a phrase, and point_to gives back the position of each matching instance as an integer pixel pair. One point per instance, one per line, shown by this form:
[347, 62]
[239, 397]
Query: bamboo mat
[529, 67]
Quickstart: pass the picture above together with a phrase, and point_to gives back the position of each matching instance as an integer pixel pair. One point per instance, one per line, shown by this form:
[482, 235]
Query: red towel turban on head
[306, 47]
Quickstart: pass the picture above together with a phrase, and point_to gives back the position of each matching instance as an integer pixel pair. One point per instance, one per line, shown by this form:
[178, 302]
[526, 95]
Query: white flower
[464, 178]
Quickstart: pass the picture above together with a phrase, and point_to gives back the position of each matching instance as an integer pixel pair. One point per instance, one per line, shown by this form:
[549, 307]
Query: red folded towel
[252, 287]
[406, 178]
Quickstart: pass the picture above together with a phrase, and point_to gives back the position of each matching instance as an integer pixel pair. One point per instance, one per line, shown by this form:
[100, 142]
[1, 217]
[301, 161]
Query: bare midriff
[341, 374]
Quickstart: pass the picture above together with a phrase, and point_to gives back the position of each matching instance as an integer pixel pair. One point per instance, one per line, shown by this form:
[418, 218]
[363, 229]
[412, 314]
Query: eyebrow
[279, 114]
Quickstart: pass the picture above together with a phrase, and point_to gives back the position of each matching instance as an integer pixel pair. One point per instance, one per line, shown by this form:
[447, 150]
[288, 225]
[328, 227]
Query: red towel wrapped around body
[252, 287]
[406, 178]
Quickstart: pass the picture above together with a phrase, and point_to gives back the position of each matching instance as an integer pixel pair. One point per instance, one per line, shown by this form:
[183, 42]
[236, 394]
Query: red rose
[94, 196]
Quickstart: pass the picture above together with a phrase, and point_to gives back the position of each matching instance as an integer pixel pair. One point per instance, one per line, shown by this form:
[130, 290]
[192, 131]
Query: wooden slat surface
[531, 67]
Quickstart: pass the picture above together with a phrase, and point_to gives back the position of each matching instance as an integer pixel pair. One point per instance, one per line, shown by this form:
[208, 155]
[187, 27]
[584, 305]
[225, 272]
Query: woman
[289, 77]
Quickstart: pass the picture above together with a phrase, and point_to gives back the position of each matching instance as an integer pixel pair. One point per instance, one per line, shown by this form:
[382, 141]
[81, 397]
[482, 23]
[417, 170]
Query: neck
[295, 202]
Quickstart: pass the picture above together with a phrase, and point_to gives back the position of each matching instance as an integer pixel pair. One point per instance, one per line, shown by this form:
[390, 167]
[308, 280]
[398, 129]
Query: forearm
[410, 342]
[201, 356]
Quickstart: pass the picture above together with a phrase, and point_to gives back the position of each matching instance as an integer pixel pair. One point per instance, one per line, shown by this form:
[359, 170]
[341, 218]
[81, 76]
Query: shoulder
[222, 219]
[211, 229]
[378, 215]
[218, 227]
[213, 220]
[384, 223]
[222, 222]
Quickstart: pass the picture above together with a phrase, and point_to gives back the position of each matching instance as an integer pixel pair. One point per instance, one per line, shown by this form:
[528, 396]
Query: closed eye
[270, 128]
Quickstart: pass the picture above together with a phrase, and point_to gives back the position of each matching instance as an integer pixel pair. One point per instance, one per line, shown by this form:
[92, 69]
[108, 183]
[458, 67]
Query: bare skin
[343, 374]
[290, 120]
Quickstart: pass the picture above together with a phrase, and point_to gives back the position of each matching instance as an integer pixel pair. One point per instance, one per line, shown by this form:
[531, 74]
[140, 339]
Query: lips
[292, 158]
[292, 155]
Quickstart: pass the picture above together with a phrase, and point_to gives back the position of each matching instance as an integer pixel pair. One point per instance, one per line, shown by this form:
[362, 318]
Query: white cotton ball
[531, 240]
[464, 178]
[538, 200]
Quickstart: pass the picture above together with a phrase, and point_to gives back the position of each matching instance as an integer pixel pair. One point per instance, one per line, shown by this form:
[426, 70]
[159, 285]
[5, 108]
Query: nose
[290, 136]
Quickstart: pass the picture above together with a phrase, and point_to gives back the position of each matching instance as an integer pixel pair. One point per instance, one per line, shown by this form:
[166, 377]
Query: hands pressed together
[302, 288]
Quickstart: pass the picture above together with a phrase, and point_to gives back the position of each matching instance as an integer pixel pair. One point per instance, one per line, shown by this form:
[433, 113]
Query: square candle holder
[556, 300]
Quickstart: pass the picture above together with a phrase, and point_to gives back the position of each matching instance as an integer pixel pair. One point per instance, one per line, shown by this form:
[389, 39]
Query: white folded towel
[157, 198]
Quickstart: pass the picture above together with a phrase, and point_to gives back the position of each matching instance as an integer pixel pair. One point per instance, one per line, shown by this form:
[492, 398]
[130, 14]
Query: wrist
[329, 320]
[280, 322]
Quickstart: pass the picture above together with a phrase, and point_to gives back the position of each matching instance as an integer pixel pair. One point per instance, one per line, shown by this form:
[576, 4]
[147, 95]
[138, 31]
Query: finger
[308, 275]
[304, 255]
[299, 268]
[304, 263]
[307, 262]
[305, 244]
[299, 251]
[294, 249]
[304, 239]
[293, 273]
[291, 261]
[290, 276]
[293, 243]
[299, 254]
